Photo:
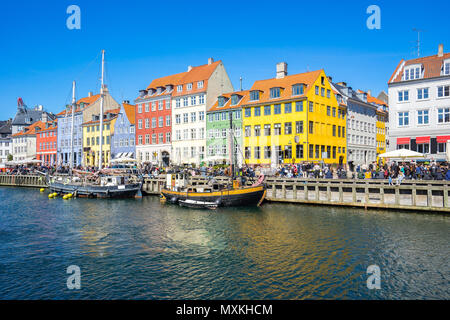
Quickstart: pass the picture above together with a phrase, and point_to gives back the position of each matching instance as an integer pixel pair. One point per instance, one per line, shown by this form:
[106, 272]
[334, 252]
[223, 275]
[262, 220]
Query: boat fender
[174, 199]
[218, 202]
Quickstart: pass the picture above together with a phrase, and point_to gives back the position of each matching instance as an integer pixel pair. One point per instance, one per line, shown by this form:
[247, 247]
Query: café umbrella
[402, 154]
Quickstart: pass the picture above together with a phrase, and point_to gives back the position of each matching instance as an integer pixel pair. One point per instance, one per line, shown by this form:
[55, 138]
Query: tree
[10, 157]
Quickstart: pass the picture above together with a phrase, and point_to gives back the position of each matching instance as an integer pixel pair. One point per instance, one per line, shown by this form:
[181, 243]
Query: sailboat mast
[72, 129]
[231, 144]
[100, 158]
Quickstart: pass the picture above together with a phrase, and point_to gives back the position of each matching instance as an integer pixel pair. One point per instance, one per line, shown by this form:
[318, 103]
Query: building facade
[27, 116]
[91, 139]
[46, 140]
[124, 134]
[64, 140]
[24, 142]
[361, 126]
[5, 140]
[419, 105]
[293, 119]
[194, 94]
[154, 121]
[218, 123]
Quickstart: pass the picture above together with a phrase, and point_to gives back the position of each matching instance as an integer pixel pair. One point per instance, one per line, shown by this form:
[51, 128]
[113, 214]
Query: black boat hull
[251, 196]
[127, 191]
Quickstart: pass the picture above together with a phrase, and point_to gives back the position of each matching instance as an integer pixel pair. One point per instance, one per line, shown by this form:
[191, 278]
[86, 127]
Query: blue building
[124, 137]
[65, 128]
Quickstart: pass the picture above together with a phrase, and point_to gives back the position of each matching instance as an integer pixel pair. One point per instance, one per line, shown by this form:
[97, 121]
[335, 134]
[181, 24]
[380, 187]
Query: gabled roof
[431, 65]
[6, 127]
[227, 105]
[112, 111]
[30, 130]
[87, 102]
[53, 125]
[130, 110]
[196, 74]
[307, 78]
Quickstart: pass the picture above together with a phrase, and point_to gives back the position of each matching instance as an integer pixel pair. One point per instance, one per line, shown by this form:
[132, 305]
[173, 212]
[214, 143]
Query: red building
[46, 142]
[153, 121]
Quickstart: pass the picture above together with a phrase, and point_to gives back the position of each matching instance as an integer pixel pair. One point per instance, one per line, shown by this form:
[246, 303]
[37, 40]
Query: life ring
[260, 180]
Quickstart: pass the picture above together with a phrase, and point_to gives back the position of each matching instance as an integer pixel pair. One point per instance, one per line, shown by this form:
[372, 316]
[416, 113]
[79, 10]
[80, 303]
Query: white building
[24, 142]
[5, 140]
[361, 125]
[194, 94]
[419, 105]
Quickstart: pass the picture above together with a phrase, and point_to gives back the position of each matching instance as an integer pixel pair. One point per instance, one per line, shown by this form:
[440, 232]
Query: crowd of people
[393, 171]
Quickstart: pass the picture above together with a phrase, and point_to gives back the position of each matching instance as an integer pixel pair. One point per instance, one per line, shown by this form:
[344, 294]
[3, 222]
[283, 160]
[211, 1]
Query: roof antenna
[418, 40]
[240, 80]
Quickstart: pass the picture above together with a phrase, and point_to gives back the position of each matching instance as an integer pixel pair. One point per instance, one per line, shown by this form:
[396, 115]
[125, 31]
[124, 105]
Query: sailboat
[178, 190]
[105, 183]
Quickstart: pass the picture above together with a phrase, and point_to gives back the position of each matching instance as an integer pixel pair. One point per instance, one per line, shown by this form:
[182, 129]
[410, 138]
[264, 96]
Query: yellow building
[91, 139]
[293, 119]
[382, 117]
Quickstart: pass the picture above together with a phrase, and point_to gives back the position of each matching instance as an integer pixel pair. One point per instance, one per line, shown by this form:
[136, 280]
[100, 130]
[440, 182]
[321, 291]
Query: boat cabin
[111, 181]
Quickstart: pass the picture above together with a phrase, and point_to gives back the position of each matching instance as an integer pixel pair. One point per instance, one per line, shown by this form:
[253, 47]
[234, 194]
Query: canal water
[140, 249]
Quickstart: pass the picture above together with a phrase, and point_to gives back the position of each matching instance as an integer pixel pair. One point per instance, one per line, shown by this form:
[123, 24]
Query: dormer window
[189, 87]
[234, 99]
[412, 73]
[275, 92]
[222, 101]
[169, 87]
[254, 95]
[200, 84]
[446, 69]
[179, 88]
[297, 89]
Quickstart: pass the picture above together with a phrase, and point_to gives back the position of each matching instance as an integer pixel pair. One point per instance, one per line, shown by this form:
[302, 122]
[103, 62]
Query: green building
[218, 128]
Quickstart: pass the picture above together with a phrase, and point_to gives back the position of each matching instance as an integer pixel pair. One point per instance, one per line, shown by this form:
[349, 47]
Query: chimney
[281, 70]
[90, 94]
[330, 78]
[126, 102]
[189, 68]
[44, 117]
[441, 50]
[342, 84]
[210, 60]
[143, 92]
[369, 92]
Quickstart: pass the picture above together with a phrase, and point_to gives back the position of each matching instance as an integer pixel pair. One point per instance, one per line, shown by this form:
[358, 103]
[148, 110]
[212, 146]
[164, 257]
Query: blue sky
[143, 40]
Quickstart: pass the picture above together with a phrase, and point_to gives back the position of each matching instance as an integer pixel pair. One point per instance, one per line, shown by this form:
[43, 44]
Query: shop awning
[403, 140]
[422, 140]
[442, 139]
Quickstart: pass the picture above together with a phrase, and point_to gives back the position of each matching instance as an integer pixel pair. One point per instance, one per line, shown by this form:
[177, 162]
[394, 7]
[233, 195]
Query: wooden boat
[188, 203]
[178, 189]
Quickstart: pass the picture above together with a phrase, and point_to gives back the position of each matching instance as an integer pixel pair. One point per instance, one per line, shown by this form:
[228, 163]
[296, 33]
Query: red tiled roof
[432, 67]
[86, 100]
[307, 78]
[130, 110]
[228, 105]
[30, 130]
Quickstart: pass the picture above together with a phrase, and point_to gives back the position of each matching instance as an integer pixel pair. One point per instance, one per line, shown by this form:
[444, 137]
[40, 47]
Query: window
[161, 138]
[147, 139]
[147, 123]
[257, 130]
[288, 107]
[247, 112]
[177, 103]
[193, 100]
[153, 122]
[288, 128]
[403, 119]
[267, 152]
[254, 95]
[277, 129]
[299, 151]
[317, 91]
[139, 108]
[267, 110]
[185, 102]
[177, 119]
[193, 116]
[161, 122]
[234, 99]
[193, 134]
[299, 106]
[328, 93]
[247, 153]
[328, 111]
[311, 106]
[154, 138]
[288, 152]
[334, 130]
[167, 121]
[299, 127]
[422, 93]
[267, 129]
[179, 88]
[442, 147]
[257, 152]
[200, 84]
[140, 140]
[248, 132]
[297, 89]
[154, 106]
[185, 117]
[412, 73]
[189, 87]
[443, 91]
[257, 111]
[274, 93]
[277, 109]
[443, 115]
[311, 151]
[201, 115]
[423, 147]
[311, 127]
[322, 92]
[422, 117]
[201, 99]
[140, 124]
[403, 95]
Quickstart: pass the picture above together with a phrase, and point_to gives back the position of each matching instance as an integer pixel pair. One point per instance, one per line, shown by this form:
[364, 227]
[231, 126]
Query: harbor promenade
[416, 195]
